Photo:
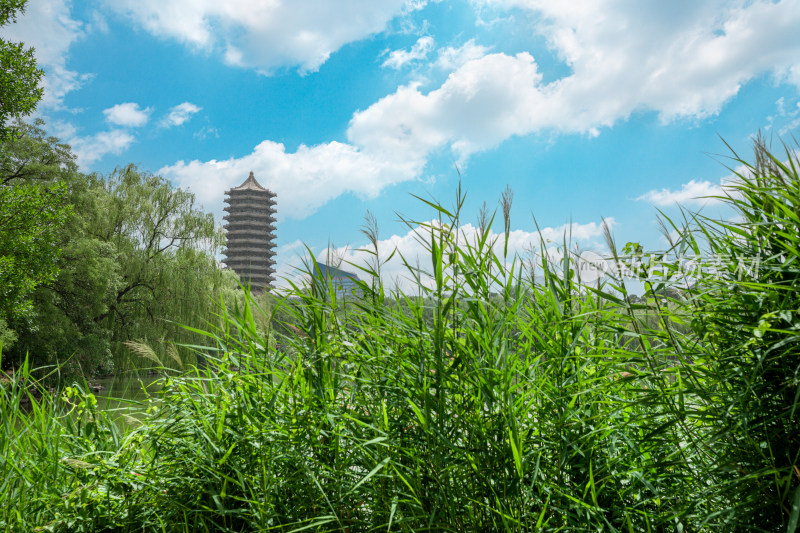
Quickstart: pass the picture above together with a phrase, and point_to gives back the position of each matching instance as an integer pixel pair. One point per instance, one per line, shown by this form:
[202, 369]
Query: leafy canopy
[20, 78]
[33, 210]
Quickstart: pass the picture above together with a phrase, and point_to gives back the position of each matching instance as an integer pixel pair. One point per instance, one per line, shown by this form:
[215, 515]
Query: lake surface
[126, 395]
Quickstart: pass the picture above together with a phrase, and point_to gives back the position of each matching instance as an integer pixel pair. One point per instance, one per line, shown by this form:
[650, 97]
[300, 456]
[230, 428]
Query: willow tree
[132, 258]
[165, 246]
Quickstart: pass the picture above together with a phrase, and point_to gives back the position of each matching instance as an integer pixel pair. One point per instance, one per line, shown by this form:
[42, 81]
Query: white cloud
[93, 148]
[672, 60]
[265, 35]
[451, 58]
[679, 60]
[62, 130]
[787, 117]
[303, 180]
[586, 233]
[205, 132]
[48, 27]
[97, 23]
[694, 192]
[179, 114]
[399, 58]
[412, 246]
[127, 114]
[480, 105]
[704, 193]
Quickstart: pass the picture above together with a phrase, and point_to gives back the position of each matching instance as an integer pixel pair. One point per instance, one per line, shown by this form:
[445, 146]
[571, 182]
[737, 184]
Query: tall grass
[485, 402]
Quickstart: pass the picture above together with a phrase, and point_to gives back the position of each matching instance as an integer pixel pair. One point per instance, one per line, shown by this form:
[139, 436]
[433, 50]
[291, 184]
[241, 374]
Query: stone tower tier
[250, 267]
[250, 193]
[259, 216]
[248, 208]
[250, 239]
[248, 225]
[251, 197]
[249, 251]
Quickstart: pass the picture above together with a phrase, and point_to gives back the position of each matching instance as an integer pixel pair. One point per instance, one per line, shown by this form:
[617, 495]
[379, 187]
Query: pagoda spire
[250, 184]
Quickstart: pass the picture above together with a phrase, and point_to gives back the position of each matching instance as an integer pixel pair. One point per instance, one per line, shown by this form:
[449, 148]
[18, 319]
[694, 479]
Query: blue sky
[588, 109]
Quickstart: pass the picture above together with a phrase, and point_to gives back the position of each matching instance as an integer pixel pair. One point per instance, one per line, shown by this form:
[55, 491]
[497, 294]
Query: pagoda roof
[250, 184]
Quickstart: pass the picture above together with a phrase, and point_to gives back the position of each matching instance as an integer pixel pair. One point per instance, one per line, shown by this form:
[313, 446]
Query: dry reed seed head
[143, 350]
[483, 218]
[507, 200]
[370, 228]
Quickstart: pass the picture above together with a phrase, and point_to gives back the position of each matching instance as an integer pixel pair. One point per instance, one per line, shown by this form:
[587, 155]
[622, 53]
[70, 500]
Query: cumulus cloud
[411, 246]
[97, 23]
[92, 148]
[678, 60]
[383, 149]
[481, 104]
[453, 57]
[303, 180]
[127, 114]
[788, 116]
[694, 193]
[48, 27]
[179, 114]
[704, 193]
[265, 35]
[399, 58]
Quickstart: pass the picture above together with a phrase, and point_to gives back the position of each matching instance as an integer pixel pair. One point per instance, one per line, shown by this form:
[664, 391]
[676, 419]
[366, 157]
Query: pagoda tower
[250, 230]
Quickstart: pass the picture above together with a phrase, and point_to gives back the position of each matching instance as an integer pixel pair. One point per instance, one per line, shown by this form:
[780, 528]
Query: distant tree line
[88, 262]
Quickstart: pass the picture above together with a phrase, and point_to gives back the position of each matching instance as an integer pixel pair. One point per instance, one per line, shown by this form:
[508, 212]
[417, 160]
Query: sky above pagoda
[588, 110]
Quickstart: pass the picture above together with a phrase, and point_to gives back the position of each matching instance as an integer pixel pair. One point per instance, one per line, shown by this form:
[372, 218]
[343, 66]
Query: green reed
[482, 402]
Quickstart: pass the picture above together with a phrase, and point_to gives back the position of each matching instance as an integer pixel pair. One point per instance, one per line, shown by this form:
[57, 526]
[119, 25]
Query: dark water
[126, 397]
[127, 387]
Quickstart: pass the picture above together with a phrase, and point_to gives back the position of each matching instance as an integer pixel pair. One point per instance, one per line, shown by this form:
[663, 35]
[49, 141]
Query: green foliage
[30, 218]
[136, 255]
[483, 403]
[747, 315]
[164, 247]
[34, 157]
[19, 75]
[66, 304]
[9, 10]
[33, 211]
